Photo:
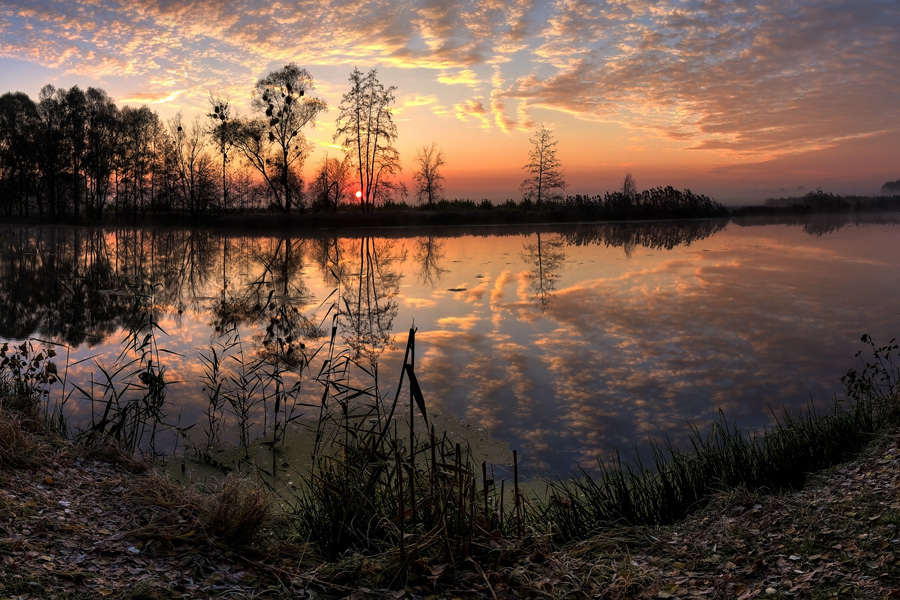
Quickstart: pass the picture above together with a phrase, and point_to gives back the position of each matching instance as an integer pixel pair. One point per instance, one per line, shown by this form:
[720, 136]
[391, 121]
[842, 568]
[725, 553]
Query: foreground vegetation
[412, 513]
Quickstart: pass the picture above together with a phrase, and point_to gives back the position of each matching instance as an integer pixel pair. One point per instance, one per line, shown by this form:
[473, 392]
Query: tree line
[73, 153]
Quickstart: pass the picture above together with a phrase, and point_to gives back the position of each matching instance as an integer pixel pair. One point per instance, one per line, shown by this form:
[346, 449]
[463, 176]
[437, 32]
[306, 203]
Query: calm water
[564, 342]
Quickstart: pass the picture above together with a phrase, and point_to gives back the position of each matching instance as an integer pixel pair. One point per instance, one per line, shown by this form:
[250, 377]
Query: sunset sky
[738, 100]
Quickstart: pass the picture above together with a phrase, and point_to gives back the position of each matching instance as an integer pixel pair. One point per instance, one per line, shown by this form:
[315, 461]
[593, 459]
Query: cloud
[461, 323]
[149, 98]
[758, 79]
[762, 79]
[463, 77]
[473, 109]
[419, 303]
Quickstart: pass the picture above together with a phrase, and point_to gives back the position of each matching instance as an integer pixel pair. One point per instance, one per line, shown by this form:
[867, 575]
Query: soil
[78, 523]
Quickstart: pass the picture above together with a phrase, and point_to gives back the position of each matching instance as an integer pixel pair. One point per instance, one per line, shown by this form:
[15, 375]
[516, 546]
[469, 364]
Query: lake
[564, 342]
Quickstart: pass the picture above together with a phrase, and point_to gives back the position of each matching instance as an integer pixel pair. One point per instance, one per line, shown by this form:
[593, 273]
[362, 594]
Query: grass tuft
[234, 515]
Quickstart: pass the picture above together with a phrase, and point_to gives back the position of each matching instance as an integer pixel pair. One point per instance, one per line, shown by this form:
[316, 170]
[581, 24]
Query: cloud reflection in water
[636, 335]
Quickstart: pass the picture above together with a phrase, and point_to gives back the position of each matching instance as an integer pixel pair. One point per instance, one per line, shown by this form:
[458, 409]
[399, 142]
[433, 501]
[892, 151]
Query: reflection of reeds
[128, 401]
[678, 482]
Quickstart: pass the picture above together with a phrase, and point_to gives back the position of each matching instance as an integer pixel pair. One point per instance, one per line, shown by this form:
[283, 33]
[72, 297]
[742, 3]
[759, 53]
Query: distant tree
[274, 144]
[222, 130]
[629, 187]
[891, 187]
[102, 132]
[139, 163]
[367, 132]
[19, 139]
[192, 165]
[545, 175]
[428, 177]
[331, 183]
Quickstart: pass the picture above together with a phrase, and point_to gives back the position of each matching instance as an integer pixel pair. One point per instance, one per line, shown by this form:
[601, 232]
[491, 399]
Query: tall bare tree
[367, 132]
[274, 143]
[222, 130]
[545, 174]
[192, 166]
[102, 132]
[139, 162]
[428, 177]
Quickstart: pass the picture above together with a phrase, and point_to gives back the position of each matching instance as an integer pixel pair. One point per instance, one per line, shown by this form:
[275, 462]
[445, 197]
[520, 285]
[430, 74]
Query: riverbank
[88, 523]
[659, 204]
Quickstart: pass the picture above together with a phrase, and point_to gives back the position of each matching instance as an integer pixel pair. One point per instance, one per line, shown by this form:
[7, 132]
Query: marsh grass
[128, 398]
[677, 482]
[19, 446]
[374, 488]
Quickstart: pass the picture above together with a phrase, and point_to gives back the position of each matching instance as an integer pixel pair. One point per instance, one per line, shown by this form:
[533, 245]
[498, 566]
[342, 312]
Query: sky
[737, 100]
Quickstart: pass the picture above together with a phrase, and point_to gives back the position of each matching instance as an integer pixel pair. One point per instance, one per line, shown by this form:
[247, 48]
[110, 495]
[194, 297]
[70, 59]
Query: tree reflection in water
[365, 271]
[245, 313]
[429, 254]
[545, 258]
[656, 235]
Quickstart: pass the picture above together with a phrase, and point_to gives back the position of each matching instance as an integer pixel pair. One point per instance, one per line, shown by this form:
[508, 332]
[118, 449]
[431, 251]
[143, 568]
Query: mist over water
[564, 342]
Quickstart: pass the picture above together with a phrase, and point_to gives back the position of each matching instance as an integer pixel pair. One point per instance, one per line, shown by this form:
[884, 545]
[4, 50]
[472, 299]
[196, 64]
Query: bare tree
[222, 130]
[191, 165]
[629, 187]
[274, 144]
[428, 177]
[331, 183]
[368, 133]
[545, 175]
[102, 133]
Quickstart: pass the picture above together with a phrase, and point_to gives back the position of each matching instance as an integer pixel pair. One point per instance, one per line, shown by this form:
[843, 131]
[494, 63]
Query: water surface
[565, 342]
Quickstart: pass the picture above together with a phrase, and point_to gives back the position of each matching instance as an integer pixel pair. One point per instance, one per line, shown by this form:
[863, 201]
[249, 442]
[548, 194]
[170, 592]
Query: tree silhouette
[192, 166]
[545, 257]
[274, 143]
[139, 166]
[629, 186]
[428, 177]
[102, 132]
[545, 175]
[331, 184]
[19, 139]
[367, 130]
[222, 130]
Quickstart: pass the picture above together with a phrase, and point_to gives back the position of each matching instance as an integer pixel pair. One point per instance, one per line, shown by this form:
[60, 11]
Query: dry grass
[234, 515]
[20, 444]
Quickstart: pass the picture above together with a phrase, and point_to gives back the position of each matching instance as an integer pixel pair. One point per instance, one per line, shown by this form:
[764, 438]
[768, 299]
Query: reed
[128, 399]
[373, 490]
[677, 482]
[28, 372]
